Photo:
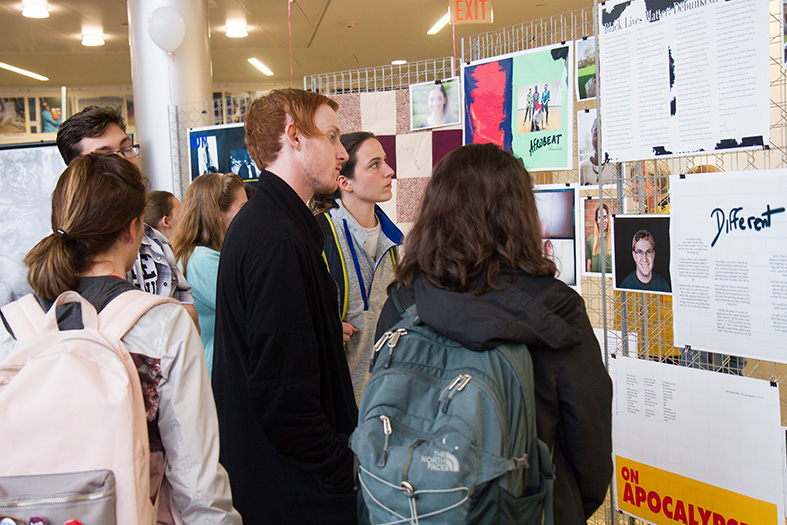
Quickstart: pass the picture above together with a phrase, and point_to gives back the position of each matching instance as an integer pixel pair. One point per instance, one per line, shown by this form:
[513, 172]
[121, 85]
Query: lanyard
[357, 265]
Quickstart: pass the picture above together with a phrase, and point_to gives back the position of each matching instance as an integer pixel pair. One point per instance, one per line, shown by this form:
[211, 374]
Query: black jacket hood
[537, 311]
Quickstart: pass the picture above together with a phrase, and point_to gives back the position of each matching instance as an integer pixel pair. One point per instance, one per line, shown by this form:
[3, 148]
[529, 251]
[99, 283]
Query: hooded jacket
[573, 389]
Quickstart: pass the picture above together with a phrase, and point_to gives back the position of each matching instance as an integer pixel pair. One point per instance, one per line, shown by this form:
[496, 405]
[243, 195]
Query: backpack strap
[123, 312]
[549, 480]
[25, 317]
[334, 258]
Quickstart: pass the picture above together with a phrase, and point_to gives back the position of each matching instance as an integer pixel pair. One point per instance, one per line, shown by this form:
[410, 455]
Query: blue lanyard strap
[357, 265]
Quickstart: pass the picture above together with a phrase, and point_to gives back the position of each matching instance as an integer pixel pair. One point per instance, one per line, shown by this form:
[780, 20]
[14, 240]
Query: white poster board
[729, 262]
[679, 77]
[691, 445]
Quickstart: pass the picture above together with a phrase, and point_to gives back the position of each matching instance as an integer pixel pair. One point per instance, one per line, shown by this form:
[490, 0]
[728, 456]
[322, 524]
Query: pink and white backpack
[74, 436]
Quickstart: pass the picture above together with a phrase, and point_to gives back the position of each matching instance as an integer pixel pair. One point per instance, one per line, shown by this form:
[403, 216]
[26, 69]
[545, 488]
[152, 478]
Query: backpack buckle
[408, 489]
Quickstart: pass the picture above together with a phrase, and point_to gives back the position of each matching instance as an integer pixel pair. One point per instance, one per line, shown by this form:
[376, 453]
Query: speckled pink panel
[349, 112]
[408, 198]
[402, 111]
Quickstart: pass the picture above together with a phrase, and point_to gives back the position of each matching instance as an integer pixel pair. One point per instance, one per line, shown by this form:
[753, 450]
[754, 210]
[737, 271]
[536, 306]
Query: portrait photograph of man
[641, 252]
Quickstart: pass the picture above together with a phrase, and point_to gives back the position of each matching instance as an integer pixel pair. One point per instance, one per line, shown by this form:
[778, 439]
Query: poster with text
[695, 447]
[558, 208]
[681, 77]
[523, 102]
[729, 262]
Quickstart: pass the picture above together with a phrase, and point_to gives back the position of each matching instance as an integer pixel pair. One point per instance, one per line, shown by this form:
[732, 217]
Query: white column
[165, 71]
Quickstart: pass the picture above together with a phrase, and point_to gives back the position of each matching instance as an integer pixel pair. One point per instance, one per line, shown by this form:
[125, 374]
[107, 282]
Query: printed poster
[729, 262]
[524, 103]
[683, 76]
[558, 208]
[695, 447]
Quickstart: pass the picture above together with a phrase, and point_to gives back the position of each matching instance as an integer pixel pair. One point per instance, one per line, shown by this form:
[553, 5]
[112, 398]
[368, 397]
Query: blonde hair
[201, 223]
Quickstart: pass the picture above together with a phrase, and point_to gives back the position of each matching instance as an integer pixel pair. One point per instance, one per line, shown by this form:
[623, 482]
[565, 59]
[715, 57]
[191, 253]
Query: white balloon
[166, 28]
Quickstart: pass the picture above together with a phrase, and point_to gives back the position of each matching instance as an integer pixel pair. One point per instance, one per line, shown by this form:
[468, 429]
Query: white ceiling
[327, 35]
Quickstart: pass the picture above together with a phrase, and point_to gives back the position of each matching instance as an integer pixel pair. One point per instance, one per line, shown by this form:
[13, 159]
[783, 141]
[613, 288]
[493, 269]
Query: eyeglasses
[127, 153]
[640, 253]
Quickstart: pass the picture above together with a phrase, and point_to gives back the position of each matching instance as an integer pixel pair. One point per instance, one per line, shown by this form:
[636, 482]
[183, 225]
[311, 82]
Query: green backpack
[448, 435]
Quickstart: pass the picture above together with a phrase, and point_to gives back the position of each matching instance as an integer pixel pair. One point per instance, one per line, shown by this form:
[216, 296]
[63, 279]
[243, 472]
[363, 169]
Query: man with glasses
[101, 129]
[643, 278]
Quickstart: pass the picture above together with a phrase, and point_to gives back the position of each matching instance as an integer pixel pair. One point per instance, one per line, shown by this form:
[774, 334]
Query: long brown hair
[94, 201]
[478, 218]
[201, 223]
[597, 231]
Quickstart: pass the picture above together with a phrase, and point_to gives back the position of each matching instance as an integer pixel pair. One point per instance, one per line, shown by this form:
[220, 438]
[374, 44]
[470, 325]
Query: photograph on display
[544, 108]
[729, 262]
[12, 115]
[557, 210]
[695, 447]
[641, 253]
[51, 114]
[523, 103]
[585, 53]
[587, 140]
[597, 220]
[434, 104]
[683, 77]
[488, 102]
[221, 149]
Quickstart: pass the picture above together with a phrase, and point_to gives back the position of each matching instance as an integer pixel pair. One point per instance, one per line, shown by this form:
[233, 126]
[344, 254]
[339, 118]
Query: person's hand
[347, 331]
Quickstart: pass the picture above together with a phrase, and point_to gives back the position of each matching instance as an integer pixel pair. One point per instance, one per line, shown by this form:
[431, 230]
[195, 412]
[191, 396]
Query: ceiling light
[237, 31]
[35, 9]
[23, 72]
[440, 24]
[93, 39]
[259, 65]
[398, 62]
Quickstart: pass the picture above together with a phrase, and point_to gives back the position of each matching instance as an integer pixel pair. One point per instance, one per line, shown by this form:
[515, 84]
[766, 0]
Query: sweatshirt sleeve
[585, 403]
[285, 359]
[187, 418]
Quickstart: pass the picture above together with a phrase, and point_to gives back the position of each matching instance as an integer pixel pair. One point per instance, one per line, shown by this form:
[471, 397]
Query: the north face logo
[441, 461]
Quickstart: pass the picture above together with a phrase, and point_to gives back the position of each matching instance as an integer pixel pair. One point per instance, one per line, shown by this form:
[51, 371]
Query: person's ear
[292, 136]
[345, 184]
[130, 231]
[163, 223]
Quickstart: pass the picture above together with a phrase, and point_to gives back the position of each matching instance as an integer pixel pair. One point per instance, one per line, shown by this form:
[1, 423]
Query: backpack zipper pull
[377, 346]
[451, 385]
[387, 430]
[391, 343]
[465, 379]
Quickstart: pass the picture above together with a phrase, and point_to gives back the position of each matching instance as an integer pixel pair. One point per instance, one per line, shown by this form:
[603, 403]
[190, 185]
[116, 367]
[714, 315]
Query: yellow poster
[662, 497]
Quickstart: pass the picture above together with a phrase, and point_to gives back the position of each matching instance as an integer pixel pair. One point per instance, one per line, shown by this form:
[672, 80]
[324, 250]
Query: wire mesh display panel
[381, 78]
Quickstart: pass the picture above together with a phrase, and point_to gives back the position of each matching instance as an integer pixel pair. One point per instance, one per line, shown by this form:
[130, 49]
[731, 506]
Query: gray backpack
[448, 435]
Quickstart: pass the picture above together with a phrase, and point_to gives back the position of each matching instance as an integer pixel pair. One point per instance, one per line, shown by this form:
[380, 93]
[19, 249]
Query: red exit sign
[472, 11]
